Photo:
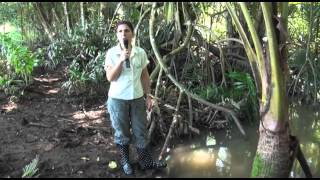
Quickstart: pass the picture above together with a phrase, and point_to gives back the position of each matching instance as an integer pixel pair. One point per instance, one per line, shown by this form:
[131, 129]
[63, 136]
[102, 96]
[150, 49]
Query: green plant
[31, 169]
[212, 93]
[243, 83]
[9, 85]
[17, 62]
[242, 88]
[56, 53]
[88, 46]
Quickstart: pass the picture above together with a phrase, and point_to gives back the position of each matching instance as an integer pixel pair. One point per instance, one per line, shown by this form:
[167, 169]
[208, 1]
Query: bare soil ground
[72, 136]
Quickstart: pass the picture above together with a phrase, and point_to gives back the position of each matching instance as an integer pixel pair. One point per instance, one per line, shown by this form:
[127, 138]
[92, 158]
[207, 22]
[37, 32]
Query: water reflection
[199, 163]
[215, 154]
[305, 124]
[223, 162]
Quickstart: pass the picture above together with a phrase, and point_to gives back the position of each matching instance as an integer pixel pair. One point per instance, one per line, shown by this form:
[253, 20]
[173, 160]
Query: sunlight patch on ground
[94, 115]
[78, 115]
[98, 121]
[53, 91]
[10, 106]
[49, 80]
[6, 27]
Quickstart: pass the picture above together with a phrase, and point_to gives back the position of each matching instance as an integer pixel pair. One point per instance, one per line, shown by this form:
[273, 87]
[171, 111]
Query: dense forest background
[201, 74]
[214, 66]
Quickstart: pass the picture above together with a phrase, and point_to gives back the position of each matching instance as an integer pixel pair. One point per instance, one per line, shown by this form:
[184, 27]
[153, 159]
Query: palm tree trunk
[273, 152]
[272, 157]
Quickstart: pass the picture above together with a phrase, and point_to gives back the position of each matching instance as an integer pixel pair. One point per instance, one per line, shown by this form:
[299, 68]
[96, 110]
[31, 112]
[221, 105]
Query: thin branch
[250, 53]
[114, 14]
[179, 85]
[173, 124]
[177, 50]
[140, 20]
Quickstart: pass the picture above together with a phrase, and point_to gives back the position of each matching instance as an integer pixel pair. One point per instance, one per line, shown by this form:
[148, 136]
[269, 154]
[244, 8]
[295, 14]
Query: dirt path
[71, 135]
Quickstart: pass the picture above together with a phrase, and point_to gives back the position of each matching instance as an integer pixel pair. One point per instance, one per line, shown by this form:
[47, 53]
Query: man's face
[124, 32]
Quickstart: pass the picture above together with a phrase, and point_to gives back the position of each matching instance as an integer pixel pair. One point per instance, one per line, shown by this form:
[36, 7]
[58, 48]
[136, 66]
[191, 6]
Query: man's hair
[128, 23]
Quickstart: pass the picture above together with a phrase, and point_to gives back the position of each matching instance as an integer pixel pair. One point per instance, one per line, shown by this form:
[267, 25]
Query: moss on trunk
[272, 158]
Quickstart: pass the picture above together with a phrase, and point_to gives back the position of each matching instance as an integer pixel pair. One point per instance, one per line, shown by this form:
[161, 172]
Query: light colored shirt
[128, 85]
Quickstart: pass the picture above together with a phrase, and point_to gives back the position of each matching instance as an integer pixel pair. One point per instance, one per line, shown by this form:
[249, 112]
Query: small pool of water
[228, 154]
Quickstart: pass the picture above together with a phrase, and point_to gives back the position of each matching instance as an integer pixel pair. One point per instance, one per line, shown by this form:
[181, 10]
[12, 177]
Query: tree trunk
[56, 19]
[43, 22]
[21, 22]
[272, 157]
[102, 7]
[65, 10]
[82, 15]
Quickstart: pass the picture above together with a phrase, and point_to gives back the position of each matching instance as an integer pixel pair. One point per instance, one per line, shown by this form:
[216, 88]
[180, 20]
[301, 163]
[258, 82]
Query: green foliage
[243, 82]
[56, 52]
[21, 16]
[87, 47]
[242, 88]
[304, 54]
[299, 20]
[297, 58]
[211, 93]
[9, 85]
[8, 12]
[129, 12]
[31, 169]
[17, 62]
[208, 23]
[77, 77]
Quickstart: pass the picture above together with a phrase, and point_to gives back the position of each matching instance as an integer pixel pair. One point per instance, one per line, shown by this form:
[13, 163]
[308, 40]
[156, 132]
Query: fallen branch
[39, 125]
[166, 142]
[105, 129]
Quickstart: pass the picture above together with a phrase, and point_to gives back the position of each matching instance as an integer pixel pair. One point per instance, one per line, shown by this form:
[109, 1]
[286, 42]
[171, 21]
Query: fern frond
[31, 169]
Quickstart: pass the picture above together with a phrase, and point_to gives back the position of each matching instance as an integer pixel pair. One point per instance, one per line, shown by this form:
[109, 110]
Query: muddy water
[227, 154]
